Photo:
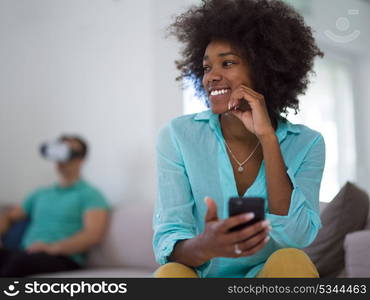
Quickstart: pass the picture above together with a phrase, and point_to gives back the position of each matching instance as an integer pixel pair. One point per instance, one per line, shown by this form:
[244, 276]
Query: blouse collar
[284, 126]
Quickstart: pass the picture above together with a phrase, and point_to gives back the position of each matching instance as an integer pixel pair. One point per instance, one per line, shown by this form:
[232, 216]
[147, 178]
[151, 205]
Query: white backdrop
[86, 67]
[102, 68]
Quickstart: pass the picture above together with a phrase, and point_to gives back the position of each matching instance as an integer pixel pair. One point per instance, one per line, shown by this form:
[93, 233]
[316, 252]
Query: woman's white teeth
[218, 92]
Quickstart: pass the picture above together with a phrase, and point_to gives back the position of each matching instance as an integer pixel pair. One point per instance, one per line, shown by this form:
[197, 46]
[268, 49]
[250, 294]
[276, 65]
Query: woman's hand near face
[257, 119]
[219, 242]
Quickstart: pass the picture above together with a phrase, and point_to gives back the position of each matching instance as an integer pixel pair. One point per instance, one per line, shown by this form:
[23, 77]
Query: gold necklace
[240, 164]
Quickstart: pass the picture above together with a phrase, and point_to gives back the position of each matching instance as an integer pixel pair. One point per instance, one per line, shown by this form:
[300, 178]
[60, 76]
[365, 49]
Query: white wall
[322, 16]
[362, 112]
[77, 67]
[168, 92]
[102, 68]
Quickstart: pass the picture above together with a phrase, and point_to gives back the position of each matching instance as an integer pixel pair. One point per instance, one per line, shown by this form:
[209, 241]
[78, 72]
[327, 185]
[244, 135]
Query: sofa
[127, 248]
[356, 245]
[342, 243]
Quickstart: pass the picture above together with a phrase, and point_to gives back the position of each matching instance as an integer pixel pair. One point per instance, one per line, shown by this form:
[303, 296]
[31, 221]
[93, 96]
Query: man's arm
[95, 223]
[16, 213]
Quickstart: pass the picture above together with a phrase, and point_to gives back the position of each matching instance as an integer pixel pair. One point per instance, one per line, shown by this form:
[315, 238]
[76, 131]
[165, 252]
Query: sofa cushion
[357, 245]
[128, 242]
[346, 213]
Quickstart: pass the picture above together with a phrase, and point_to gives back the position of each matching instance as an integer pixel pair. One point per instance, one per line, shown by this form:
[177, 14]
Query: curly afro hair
[273, 38]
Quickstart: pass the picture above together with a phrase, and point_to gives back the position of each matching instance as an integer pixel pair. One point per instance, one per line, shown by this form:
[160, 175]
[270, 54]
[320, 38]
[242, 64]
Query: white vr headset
[59, 151]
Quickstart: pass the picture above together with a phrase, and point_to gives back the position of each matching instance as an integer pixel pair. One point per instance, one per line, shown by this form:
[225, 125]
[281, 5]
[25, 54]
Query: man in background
[66, 219]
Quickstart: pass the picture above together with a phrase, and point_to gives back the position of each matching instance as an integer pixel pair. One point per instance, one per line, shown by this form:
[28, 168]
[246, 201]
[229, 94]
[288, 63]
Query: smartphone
[241, 205]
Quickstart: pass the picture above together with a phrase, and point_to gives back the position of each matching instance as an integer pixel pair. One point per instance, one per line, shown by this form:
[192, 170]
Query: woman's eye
[206, 69]
[228, 63]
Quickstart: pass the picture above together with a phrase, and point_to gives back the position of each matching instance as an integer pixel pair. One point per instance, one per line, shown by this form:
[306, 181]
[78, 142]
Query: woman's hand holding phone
[218, 241]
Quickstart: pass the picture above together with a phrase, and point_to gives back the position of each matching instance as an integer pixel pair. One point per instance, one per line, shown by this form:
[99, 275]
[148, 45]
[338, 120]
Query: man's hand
[12, 215]
[4, 224]
[51, 249]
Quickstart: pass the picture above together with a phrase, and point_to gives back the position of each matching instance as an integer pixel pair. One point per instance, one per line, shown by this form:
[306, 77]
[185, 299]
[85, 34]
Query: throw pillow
[346, 213]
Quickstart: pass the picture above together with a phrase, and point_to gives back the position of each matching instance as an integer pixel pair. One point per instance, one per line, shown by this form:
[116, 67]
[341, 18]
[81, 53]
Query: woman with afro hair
[249, 60]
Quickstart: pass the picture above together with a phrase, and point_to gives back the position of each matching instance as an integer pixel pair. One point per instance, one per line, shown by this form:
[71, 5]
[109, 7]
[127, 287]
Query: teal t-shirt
[57, 213]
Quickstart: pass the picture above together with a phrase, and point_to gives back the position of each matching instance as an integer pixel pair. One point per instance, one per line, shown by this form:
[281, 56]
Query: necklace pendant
[240, 169]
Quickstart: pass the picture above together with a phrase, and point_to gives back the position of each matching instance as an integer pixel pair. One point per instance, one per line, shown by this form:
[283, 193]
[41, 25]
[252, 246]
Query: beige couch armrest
[356, 248]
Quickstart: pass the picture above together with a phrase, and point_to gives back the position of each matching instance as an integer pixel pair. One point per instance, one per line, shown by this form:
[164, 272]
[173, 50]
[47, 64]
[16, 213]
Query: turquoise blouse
[193, 163]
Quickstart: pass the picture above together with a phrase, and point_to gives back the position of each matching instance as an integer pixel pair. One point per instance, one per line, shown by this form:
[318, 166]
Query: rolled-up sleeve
[299, 228]
[173, 218]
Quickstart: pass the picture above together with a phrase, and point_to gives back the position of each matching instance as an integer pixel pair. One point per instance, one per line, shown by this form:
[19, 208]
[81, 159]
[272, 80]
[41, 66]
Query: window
[191, 104]
[328, 108]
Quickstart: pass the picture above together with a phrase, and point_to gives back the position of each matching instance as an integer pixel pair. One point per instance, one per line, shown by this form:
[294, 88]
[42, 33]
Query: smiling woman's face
[224, 71]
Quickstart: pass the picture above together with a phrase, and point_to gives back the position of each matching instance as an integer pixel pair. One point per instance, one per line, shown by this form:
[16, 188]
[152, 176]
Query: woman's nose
[214, 75]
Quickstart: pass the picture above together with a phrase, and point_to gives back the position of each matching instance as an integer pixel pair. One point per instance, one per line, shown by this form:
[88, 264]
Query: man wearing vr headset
[66, 219]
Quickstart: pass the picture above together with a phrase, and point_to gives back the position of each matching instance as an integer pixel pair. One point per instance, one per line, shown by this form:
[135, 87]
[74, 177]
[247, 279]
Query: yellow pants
[283, 263]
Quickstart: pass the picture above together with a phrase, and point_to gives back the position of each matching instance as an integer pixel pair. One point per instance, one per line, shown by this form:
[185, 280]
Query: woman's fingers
[256, 248]
[211, 214]
[252, 92]
[233, 221]
[243, 93]
[253, 241]
[240, 114]
[251, 248]
[247, 239]
[248, 232]
[235, 100]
